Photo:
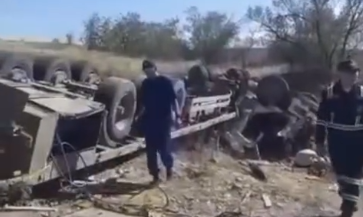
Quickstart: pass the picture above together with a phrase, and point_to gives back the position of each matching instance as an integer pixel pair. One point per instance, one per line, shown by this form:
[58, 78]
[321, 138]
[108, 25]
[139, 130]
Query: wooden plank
[95, 212]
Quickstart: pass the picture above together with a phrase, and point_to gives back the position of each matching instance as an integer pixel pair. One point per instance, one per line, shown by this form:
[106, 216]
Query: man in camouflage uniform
[340, 121]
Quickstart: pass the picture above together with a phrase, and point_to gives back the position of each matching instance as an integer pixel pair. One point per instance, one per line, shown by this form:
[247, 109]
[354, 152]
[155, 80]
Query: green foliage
[202, 36]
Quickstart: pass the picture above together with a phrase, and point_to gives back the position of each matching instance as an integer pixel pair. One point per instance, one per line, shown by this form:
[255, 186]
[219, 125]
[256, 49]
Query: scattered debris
[217, 189]
[257, 172]
[305, 157]
[246, 197]
[334, 187]
[266, 200]
[320, 167]
[28, 208]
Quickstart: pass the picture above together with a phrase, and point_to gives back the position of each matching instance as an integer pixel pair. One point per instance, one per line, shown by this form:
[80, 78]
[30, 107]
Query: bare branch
[315, 27]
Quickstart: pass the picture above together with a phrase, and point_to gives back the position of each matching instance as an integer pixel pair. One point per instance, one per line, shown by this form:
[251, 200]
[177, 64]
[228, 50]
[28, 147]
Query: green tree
[91, 35]
[209, 33]
[311, 31]
[204, 35]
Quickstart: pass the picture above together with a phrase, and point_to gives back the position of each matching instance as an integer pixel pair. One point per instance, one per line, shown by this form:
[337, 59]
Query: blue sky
[51, 18]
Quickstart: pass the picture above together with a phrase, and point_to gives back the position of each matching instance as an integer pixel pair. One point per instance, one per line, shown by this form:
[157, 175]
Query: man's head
[348, 72]
[149, 68]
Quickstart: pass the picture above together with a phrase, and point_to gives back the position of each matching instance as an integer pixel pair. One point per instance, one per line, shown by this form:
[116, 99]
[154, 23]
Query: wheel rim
[272, 89]
[18, 74]
[59, 77]
[120, 112]
[93, 78]
[123, 111]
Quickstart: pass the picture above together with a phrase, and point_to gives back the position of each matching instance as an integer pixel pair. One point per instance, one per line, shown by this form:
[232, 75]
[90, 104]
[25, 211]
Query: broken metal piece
[266, 200]
[320, 167]
[257, 172]
[28, 208]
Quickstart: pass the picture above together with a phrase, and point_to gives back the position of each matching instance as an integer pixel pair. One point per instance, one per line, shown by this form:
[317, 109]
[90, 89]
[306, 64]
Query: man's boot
[169, 174]
[348, 209]
[156, 180]
[347, 213]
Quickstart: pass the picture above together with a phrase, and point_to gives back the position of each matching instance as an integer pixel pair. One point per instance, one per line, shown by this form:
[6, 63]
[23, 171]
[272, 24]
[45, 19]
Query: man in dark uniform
[158, 101]
[340, 120]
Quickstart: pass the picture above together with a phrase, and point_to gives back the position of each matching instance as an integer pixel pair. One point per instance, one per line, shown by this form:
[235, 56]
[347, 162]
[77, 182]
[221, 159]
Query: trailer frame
[62, 165]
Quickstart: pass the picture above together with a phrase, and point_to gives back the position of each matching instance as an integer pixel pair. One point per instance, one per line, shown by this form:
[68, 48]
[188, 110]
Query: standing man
[340, 120]
[158, 101]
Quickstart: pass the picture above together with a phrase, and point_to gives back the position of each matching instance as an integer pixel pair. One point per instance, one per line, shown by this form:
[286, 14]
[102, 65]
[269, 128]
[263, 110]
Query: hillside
[112, 64]
[105, 62]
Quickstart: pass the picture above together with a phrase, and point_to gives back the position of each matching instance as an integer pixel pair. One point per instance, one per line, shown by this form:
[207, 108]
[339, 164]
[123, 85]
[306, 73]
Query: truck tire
[83, 71]
[138, 82]
[178, 85]
[198, 75]
[233, 74]
[285, 101]
[180, 91]
[242, 77]
[52, 69]
[136, 125]
[119, 97]
[246, 74]
[273, 91]
[17, 67]
[238, 74]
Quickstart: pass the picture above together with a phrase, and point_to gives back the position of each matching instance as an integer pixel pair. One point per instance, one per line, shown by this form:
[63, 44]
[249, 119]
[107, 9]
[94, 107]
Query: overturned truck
[54, 124]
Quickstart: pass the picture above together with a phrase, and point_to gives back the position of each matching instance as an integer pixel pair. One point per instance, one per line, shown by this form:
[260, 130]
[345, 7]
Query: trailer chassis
[62, 165]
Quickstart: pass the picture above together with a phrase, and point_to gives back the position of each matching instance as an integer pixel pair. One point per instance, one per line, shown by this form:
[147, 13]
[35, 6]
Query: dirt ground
[223, 187]
[203, 188]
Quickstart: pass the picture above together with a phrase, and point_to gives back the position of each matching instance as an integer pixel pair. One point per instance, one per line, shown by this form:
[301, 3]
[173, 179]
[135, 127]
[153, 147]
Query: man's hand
[177, 119]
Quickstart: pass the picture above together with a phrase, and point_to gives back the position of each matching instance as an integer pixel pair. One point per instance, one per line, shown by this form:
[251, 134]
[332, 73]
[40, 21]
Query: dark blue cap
[348, 66]
[146, 64]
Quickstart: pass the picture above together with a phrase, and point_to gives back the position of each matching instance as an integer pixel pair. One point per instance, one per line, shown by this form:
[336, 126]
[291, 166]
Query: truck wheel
[180, 91]
[52, 69]
[83, 71]
[242, 77]
[233, 74]
[246, 74]
[136, 129]
[178, 85]
[273, 91]
[16, 67]
[138, 82]
[119, 97]
[198, 75]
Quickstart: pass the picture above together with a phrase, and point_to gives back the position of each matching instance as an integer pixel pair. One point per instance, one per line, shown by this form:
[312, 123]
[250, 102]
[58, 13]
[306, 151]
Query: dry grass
[107, 63]
[111, 64]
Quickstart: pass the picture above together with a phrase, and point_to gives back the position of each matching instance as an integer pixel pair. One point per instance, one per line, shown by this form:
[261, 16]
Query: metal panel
[68, 107]
[90, 157]
[57, 99]
[12, 103]
[43, 124]
[28, 151]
